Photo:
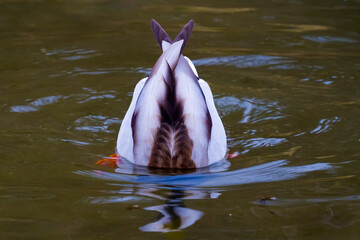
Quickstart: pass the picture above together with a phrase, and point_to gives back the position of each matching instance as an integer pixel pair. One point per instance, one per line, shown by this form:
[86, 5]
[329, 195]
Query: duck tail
[163, 38]
[160, 33]
[185, 33]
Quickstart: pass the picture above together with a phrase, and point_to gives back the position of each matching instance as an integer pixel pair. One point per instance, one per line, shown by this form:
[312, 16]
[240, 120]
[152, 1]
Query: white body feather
[217, 147]
[172, 115]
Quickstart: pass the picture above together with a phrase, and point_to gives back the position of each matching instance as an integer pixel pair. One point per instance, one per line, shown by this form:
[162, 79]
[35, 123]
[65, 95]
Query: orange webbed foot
[232, 155]
[110, 161]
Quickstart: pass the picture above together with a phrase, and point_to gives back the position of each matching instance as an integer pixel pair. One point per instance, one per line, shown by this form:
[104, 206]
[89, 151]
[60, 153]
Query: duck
[172, 121]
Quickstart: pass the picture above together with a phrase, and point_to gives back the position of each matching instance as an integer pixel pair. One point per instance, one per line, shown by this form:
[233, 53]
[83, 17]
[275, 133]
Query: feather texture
[172, 121]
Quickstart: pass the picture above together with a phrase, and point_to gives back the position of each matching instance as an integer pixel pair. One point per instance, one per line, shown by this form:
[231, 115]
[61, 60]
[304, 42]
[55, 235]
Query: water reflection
[267, 172]
[174, 215]
[141, 184]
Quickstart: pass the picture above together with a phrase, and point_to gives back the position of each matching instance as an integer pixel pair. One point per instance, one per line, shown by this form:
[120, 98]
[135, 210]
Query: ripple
[299, 28]
[290, 202]
[247, 61]
[75, 141]
[287, 67]
[97, 97]
[114, 199]
[77, 71]
[72, 54]
[97, 71]
[267, 172]
[329, 39]
[261, 142]
[146, 192]
[325, 125]
[80, 98]
[227, 105]
[23, 108]
[326, 82]
[199, 9]
[96, 123]
[254, 110]
[92, 95]
[36, 105]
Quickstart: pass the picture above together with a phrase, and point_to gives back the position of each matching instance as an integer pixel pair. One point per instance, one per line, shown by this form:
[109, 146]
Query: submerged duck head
[172, 121]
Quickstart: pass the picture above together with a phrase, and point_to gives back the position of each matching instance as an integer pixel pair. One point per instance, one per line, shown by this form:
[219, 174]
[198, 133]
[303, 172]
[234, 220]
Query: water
[285, 76]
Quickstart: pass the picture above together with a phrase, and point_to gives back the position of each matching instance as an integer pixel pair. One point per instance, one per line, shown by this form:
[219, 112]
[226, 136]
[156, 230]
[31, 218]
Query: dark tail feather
[159, 33]
[185, 33]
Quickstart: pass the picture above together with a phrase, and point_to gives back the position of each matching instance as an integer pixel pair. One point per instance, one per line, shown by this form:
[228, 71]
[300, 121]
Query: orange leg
[232, 155]
[110, 161]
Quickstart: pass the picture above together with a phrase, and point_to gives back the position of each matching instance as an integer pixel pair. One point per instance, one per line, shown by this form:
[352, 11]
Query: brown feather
[183, 146]
[176, 156]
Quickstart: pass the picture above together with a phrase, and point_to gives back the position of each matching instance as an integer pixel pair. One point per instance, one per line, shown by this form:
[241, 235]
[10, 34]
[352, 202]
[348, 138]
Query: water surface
[285, 76]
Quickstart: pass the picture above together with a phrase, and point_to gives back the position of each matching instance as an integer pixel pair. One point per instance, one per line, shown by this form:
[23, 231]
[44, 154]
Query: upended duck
[172, 121]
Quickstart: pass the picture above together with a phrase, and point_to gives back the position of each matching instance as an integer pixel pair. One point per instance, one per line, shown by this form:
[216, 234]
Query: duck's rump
[172, 121]
[171, 124]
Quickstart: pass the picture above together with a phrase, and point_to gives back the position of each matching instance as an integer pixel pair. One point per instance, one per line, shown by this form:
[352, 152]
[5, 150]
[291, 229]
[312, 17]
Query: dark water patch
[18, 195]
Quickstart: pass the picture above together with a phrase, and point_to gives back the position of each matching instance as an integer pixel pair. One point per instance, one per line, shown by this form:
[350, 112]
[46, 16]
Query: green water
[286, 81]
